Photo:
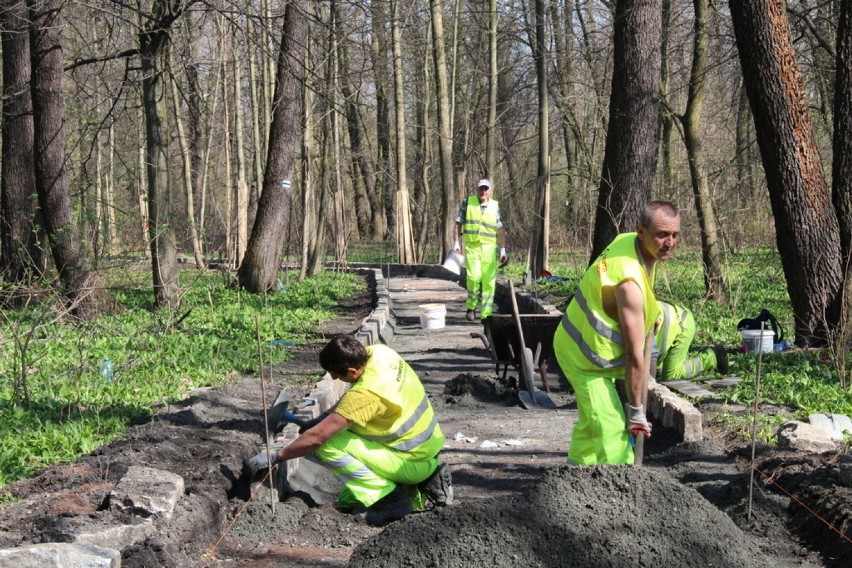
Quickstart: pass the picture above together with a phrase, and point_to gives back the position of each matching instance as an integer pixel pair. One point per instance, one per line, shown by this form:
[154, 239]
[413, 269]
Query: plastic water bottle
[279, 286]
[106, 370]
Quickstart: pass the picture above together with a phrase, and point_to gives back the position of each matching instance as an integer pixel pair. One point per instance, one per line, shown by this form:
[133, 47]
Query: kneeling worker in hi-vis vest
[675, 332]
[602, 337]
[382, 439]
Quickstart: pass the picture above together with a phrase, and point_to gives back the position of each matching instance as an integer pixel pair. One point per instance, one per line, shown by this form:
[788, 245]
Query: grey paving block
[688, 388]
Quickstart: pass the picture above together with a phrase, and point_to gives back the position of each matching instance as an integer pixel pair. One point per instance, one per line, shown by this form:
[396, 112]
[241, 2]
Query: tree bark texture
[21, 254]
[630, 157]
[807, 231]
[81, 286]
[154, 50]
[259, 268]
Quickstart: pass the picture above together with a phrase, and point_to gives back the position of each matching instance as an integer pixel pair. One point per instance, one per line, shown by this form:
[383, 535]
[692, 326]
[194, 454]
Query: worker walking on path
[602, 337]
[675, 332]
[382, 439]
[480, 227]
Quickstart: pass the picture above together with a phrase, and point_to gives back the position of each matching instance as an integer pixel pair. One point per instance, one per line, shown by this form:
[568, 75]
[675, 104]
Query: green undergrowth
[57, 400]
[802, 382]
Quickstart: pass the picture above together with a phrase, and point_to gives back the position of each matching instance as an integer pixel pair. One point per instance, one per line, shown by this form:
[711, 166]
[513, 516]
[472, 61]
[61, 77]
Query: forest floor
[517, 503]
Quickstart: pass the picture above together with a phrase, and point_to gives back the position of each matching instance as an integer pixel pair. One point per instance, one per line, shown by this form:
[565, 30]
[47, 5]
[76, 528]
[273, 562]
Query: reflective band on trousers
[345, 461]
[600, 328]
[668, 320]
[406, 427]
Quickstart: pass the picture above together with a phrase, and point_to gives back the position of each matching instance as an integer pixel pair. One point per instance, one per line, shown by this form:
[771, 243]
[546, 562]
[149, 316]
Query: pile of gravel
[600, 516]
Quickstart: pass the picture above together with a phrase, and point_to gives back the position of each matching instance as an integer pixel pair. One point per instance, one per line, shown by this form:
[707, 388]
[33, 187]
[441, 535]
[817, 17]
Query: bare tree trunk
[808, 235]
[242, 187]
[112, 231]
[82, 287]
[256, 117]
[491, 133]
[445, 135]
[714, 281]
[186, 159]
[404, 233]
[21, 230]
[154, 49]
[383, 218]
[310, 228]
[745, 175]
[227, 55]
[422, 222]
[142, 186]
[631, 141]
[259, 269]
[842, 164]
[537, 254]
[341, 227]
[666, 118]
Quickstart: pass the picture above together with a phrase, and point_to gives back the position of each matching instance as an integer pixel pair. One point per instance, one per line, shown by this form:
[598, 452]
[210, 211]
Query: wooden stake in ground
[265, 416]
[754, 419]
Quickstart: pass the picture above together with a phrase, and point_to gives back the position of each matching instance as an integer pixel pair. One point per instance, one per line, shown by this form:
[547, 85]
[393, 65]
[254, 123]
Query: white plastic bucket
[752, 340]
[454, 262]
[432, 316]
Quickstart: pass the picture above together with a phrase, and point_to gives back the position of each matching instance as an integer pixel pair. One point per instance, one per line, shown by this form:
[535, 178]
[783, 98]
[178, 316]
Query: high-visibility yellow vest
[670, 326]
[411, 425]
[480, 226]
[589, 338]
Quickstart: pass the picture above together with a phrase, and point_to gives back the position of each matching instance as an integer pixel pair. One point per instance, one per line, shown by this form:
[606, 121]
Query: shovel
[530, 398]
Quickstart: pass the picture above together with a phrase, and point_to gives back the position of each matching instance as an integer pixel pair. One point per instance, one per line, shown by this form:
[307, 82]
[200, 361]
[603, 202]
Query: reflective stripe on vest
[480, 226]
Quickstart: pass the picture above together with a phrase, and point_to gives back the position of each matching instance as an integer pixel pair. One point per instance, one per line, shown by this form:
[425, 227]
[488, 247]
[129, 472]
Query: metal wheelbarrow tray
[538, 329]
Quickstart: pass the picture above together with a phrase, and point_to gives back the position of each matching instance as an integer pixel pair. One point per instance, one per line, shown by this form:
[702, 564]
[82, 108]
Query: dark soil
[517, 503]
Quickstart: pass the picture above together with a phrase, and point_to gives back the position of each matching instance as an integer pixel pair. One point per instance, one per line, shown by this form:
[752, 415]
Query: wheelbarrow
[509, 336]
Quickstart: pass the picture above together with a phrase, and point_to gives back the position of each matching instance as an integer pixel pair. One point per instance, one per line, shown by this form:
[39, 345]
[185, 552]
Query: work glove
[504, 258]
[637, 422]
[306, 425]
[261, 462]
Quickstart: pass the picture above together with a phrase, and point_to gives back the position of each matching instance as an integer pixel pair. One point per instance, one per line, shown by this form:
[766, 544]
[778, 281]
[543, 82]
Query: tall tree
[404, 233]
[21, 238]
[154, 49]
[259, 269]
[81, 286]
[842, 164]
[631, 142]
[714, 282]
[445, 141]
[807, 231]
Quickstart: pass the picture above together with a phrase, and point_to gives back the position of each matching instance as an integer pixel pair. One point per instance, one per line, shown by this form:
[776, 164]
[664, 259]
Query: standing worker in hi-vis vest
[602, 337]
[481, 228]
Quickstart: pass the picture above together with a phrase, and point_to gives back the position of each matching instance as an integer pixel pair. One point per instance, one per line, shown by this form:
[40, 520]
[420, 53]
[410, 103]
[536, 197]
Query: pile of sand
[601, 516]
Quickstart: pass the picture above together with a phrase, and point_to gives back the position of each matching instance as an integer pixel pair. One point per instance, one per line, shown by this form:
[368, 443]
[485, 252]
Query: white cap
[486, 183]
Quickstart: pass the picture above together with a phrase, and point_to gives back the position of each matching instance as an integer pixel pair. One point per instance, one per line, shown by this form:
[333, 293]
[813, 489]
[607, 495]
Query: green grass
[56, 406]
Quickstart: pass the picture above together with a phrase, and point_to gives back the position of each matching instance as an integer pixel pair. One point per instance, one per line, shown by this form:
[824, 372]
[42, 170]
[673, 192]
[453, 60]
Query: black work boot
[721, 359]
[438, 487]
[470, 315]
[392, 507]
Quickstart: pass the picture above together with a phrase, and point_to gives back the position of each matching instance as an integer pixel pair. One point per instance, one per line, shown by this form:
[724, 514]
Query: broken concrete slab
[147, 492]
[798, 435]
[837, 426]
[60, 555]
